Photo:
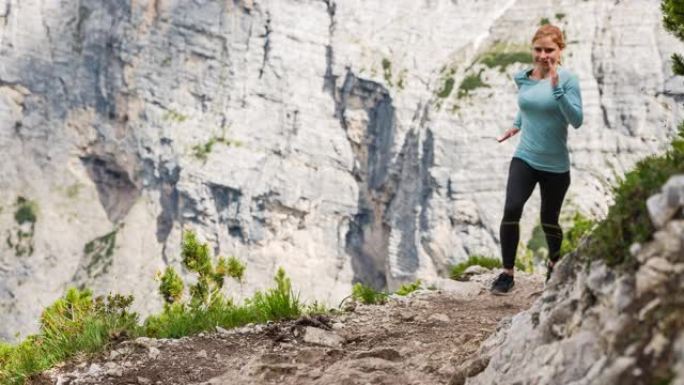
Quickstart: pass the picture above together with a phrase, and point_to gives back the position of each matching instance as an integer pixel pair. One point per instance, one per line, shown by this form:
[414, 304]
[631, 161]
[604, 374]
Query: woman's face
[544, 49]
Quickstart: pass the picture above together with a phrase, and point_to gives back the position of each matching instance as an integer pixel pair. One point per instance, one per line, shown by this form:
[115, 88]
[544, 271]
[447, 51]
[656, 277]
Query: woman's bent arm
[569, 100]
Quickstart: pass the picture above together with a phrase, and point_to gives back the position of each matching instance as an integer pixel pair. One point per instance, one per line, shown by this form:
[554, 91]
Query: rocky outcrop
[336, 140]
[599, 325]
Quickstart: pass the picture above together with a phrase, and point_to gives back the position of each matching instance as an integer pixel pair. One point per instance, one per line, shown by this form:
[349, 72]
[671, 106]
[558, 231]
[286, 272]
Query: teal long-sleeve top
[543, 117]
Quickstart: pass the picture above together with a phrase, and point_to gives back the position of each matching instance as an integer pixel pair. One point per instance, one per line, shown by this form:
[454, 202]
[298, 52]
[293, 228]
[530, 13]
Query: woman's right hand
[510, 132]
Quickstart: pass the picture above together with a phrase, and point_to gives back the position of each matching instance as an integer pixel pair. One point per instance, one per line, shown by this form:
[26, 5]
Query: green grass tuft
[182, 319]
[279, 302]
[316, 308]
[76, 323]
[208, 307]
[488, 262]
[409, 288]
[367, 295]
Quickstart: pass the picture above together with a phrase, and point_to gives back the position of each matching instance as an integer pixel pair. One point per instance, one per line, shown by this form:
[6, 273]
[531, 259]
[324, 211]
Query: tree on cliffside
[673, 19]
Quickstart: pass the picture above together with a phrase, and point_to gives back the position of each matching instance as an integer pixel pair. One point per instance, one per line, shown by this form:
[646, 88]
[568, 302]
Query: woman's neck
[540, 72]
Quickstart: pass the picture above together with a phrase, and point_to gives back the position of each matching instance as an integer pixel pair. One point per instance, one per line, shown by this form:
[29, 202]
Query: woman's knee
[512, 213]
[553, 229]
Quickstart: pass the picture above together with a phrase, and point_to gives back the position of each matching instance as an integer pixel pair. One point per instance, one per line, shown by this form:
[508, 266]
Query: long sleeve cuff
[517, 123]
[570, 105]
[558, 91]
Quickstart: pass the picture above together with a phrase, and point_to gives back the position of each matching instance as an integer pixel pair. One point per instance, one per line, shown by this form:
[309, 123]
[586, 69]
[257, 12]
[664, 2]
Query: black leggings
[522, 179]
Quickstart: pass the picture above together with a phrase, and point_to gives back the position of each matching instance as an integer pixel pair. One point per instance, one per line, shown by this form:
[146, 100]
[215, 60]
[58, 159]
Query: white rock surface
[332, 154]
[322, 337]
[662, 207]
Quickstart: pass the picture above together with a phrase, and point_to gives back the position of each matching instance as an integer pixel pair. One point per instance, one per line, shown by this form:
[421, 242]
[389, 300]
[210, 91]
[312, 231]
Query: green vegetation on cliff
[628, 221]
[673, 20]
[504, 54]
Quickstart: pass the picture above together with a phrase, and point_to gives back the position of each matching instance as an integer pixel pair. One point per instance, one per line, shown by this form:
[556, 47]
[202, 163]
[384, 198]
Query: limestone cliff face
[334, 138]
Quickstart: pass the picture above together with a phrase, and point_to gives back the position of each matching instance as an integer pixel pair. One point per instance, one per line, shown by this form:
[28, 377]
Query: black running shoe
[502, 284]
[549, 270]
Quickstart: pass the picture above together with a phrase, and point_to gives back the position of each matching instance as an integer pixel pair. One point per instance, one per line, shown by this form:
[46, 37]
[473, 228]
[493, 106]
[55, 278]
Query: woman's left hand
[553, 72]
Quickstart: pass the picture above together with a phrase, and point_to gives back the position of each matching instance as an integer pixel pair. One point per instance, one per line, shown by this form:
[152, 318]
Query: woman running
[549, 99]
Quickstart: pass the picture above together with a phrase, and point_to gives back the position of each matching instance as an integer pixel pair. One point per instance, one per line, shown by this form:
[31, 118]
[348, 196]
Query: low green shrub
[210, 280]
[581, 226]
[79, 323]
[207, 307]
[76, 323]
[181, 319]
[627, 220]
[577, 227]
[171, 286]
[178, 319]
[673, 21]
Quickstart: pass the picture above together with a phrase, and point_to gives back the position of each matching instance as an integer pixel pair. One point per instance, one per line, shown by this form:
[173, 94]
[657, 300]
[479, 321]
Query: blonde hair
[550, 30]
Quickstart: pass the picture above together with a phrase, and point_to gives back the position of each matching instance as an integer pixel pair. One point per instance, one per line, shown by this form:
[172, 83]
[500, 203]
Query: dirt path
[419, 339]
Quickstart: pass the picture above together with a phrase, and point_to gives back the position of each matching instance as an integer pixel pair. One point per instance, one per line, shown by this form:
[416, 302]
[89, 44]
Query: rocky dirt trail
[418, 339]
